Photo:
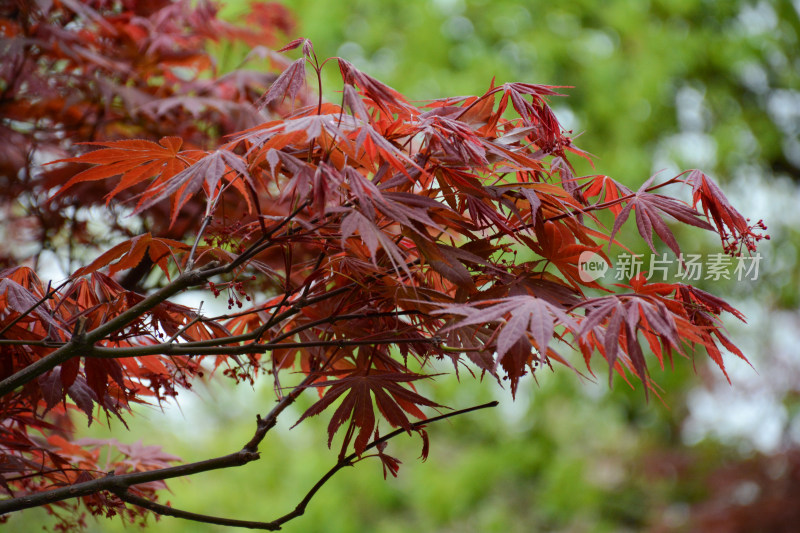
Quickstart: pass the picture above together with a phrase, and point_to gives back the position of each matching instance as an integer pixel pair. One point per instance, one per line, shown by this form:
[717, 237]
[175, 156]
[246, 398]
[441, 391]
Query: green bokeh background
[655, 85]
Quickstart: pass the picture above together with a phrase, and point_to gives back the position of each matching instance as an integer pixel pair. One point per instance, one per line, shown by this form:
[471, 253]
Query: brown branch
[180, 349]
[333, 319]
[348, 461]
[186, 279]
[267, 307]
[40, 342]
[258, 332]
[605, 205]
[81, 342]
[292, 309]
[165, 510]
[119, 484]
[300, 509]
[588, 209]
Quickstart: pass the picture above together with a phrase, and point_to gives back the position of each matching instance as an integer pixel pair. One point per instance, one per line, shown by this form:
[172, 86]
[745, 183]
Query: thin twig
[165, 510]
[332, 319]
[190, 261]
[300, 509]
[48, 294]
[347, 461]
[192, 322]
[257, 204]
[274, 318]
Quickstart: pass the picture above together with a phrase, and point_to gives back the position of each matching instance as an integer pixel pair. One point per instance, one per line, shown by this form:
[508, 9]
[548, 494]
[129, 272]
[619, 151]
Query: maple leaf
[130, 253]
[727, 219]
[207, 173]
[384, 97]
[52, 388]
[648, 207]
[622, 319]
[391, 464]
[359, 388]
[612, 191]
[378, 148]
[373, 237]
[535, 113]
[135, 161]
[556, 244]
[445, 260]
[15, 297]
[289, 83]
[351, 99]
[455, 141]
[521, 318]
[307, 46]
[83, 396]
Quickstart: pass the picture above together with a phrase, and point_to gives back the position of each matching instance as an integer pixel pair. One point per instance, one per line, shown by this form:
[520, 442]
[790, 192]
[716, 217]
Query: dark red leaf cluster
[75, 72]
[369, 239]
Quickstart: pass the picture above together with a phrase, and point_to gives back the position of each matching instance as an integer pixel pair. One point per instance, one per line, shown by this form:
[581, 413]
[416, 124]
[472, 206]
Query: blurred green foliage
[561, 458]
[655, 85]
[727, 66]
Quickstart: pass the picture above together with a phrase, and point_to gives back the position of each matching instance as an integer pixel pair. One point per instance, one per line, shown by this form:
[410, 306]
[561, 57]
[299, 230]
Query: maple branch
[166, 510]
[336, 318]
[273, 306]
[289, 217]
[589, 208]
[348, 461]
[180, 349]
[330, 319]
[319, 85]
[40, 342]
[568, 214]
[606, 205]
[186, 279]
[84, 341]
[119, 484]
